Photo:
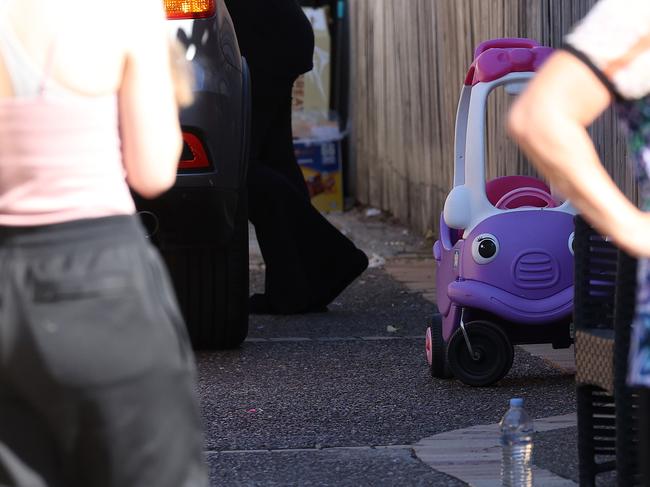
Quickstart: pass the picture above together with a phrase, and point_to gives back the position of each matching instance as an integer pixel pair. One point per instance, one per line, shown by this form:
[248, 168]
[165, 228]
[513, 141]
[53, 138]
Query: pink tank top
[60, 156]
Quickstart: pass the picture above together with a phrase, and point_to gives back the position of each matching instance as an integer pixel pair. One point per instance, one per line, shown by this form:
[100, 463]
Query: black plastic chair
[625, 398]
[595, 285]
[644, 436]
[605, 283]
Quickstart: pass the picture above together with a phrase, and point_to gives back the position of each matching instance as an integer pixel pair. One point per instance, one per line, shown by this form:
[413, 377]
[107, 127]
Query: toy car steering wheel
[507, 199]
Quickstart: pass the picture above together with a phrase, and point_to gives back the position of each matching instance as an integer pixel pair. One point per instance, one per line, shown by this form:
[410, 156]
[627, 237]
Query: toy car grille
[536, 270]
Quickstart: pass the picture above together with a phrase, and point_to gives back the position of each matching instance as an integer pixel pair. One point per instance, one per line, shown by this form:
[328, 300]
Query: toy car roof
[496, 58]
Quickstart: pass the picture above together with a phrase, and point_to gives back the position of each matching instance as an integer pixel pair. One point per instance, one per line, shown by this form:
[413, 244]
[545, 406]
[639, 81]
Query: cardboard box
[320, 163]
[311, 91]
[315, 129]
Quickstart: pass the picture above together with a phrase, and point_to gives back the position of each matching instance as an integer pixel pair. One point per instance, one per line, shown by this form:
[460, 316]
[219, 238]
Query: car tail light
[190, 9]
[193, 156]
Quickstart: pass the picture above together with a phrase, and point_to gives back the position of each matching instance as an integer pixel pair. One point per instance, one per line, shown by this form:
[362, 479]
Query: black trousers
[644, 435]
[308, 261]
[97, 377]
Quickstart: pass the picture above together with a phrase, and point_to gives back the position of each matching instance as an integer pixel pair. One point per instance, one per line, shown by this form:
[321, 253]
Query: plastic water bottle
[517, 446]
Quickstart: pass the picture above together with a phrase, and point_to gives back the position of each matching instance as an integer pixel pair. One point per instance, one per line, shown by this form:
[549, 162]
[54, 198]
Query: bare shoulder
[124, 19]
[93, 37]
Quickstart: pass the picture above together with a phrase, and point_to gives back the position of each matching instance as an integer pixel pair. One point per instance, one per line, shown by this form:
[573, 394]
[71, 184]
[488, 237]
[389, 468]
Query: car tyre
[493, 352]
[437, 353]
[211, 284]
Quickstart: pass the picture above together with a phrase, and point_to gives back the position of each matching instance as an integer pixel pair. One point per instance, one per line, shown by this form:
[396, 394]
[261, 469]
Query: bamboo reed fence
[409, 59]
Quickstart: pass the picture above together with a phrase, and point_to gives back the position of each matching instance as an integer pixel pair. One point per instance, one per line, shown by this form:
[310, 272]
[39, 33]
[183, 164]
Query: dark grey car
[201, 224]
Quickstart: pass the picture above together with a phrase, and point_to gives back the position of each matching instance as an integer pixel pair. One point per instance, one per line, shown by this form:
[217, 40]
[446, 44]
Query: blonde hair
[182, 75]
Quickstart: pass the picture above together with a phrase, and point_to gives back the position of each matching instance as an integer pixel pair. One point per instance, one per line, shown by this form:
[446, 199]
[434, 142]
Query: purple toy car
[504, 258]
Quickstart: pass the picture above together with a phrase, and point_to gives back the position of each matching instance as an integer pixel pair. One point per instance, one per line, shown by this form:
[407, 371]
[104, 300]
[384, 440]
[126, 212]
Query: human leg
[308, 261]
[149, 426]
[278, 152]
[272, 210]
[95, 351]
[28, 455]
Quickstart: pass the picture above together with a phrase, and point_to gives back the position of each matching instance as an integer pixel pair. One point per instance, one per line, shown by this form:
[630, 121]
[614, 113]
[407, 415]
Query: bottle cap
[516, 402]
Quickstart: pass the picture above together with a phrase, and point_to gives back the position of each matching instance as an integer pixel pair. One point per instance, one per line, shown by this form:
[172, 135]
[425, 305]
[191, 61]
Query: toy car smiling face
[524, 253]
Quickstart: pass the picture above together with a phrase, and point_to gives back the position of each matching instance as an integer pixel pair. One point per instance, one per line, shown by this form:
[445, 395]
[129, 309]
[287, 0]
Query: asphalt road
[336, 399]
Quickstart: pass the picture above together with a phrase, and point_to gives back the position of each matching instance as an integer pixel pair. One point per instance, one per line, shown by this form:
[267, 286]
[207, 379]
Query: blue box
[320, 162]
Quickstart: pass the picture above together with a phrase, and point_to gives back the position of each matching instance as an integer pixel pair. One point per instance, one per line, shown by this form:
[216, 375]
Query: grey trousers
[97, 377]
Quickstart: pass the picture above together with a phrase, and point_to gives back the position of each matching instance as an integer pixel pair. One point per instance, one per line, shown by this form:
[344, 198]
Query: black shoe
[353, 269]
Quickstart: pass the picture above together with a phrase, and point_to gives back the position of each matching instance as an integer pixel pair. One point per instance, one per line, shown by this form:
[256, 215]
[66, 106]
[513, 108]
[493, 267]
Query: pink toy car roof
[498, 57]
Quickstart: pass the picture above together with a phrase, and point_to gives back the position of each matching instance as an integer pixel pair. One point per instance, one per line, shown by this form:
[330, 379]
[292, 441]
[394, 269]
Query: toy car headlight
[485, 248]
[571, 243]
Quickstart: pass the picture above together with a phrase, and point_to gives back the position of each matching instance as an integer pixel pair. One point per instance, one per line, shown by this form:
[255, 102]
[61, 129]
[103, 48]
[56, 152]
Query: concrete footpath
[473, 454]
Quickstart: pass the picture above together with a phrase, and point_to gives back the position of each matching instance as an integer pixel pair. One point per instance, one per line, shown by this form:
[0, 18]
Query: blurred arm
[149, 126]
[549, 122]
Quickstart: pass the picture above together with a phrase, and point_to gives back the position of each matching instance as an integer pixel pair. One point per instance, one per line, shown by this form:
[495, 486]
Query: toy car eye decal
[572, 247]
[485, 248]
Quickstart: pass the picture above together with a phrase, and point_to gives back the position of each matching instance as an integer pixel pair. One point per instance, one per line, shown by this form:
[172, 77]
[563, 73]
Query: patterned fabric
[608, 34]
[615, 37]
[595, 360]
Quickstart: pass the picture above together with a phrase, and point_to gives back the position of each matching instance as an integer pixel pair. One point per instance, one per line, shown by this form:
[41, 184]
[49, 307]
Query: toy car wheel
[436, 353]
[492, 354]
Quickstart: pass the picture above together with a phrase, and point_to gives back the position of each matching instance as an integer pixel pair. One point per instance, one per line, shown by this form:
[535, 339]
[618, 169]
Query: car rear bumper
[202, 206]
[191, 216]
